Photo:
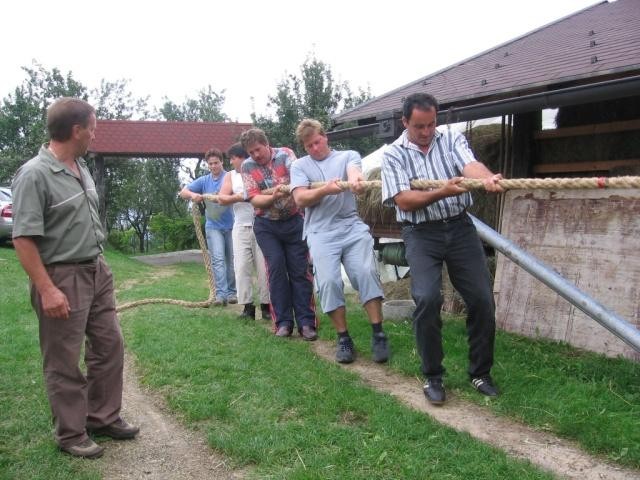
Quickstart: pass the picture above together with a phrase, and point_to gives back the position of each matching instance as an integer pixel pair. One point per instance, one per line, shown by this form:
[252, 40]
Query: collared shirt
[403, 161]
[261, 177]
[219, 217]
[58, 209]
[333, 212]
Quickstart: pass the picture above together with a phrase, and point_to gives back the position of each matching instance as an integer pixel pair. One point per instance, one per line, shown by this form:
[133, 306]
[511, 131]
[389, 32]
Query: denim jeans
[221, 252]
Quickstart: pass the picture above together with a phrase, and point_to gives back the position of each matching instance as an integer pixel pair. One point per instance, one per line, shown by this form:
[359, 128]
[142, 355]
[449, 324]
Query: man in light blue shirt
[336, 235]
[218, 227]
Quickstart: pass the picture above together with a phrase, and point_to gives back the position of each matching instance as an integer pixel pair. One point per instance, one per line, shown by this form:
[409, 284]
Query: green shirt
[58, 209]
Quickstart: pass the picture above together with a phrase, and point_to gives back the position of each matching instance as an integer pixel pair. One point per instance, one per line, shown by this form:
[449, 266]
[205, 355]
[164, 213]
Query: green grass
[27, 449]
[578, 395]
[275, 407]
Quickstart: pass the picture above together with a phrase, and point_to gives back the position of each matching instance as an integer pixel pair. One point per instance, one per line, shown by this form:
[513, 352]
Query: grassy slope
[275, 406]
[27, 450]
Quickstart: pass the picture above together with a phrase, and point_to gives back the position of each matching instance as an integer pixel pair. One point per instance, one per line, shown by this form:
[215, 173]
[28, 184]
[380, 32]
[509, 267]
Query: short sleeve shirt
[333, 211]
[403, 161]
[242, 211]
[219, 217]
[261, 177]
[57, 209]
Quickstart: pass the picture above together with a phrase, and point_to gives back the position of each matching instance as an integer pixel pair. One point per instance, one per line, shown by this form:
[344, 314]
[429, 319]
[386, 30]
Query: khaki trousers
[77, 401]
[247, 257]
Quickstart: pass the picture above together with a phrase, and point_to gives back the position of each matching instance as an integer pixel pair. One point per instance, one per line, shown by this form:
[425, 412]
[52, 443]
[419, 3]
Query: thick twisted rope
[468, 183]
[476, 184]
[195, 214]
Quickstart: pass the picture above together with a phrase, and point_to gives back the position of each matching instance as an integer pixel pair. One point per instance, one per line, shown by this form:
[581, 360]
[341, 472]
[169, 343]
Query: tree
[206, 108]
[23, 115]
[312, 94]
[113, 101]
[140, 189]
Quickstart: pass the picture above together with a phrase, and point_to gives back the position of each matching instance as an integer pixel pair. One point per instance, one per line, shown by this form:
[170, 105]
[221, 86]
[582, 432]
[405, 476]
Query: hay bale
[370, 206]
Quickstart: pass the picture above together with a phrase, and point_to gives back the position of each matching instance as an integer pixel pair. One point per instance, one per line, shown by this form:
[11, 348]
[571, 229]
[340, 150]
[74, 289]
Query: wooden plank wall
[592, 238]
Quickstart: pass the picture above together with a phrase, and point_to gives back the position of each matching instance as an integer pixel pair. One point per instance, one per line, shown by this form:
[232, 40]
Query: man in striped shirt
[436, 229]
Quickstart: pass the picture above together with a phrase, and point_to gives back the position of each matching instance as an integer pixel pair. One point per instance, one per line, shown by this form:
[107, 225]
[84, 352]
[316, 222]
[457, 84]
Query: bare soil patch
[164, 448]
[157, 274]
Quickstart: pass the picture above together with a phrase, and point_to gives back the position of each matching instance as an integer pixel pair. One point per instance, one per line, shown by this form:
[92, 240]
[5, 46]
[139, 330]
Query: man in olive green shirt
[58, 239]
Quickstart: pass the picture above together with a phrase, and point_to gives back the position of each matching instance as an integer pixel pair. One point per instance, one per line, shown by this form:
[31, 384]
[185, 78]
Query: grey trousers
[77, 401]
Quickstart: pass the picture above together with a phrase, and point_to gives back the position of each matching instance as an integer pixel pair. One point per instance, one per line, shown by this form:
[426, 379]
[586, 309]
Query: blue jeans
[221, 252]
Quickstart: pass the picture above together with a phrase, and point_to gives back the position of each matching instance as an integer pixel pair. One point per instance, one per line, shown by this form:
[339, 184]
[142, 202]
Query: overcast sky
[245, 47]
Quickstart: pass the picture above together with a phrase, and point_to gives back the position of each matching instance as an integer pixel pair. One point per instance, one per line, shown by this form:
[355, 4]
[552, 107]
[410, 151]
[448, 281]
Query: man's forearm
[308, 197]
[29, 256]
[263, 201]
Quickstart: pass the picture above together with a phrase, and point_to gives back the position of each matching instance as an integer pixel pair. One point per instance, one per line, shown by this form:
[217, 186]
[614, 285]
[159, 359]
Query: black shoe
[284, 331]
[345, 352]
[249, 312]
[484, 385]
[119, 430]
[265, 309]
[308, 333]
[379, 347]
[434, 391]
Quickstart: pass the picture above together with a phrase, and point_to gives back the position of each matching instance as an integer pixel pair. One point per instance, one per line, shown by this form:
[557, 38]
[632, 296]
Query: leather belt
[440, 221]
[81, 262]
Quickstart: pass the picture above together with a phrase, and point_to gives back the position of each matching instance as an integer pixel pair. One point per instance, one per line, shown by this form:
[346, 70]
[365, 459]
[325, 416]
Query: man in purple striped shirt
[436, 229]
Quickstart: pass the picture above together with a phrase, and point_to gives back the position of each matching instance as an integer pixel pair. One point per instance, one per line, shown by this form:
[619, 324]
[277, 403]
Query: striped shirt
[403, 161]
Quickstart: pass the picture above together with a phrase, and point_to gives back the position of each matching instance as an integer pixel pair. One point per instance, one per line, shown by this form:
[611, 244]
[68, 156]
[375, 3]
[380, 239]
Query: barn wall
[591, 237]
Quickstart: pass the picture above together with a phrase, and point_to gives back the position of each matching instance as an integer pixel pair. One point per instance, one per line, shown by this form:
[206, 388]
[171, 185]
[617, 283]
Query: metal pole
[601, 314]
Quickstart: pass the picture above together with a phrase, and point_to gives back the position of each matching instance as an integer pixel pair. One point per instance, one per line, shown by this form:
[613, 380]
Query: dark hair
[236, 150]
[251, 136]
[64, 113]
[214, 152]
[421, 101]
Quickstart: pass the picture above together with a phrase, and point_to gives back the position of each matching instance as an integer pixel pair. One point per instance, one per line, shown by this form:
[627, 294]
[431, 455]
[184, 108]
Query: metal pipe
[601, 314]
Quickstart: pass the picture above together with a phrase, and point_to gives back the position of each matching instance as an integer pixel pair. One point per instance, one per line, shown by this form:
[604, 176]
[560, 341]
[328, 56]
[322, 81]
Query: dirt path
[548, 452]
[164, 449]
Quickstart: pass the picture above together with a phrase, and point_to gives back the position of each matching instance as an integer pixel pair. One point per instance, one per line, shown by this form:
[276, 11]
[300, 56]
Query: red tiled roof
[163, 139]
[586, 47]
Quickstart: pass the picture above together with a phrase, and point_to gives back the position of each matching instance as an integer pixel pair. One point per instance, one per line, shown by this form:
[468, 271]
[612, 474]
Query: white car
[6, 214]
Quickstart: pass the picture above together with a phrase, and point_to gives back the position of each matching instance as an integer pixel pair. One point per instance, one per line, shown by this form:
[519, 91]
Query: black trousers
[457, 244]
[288, 271]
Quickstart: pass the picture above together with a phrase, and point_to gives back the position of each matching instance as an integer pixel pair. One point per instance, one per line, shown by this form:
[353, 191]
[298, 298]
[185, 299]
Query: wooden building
[586, 65]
